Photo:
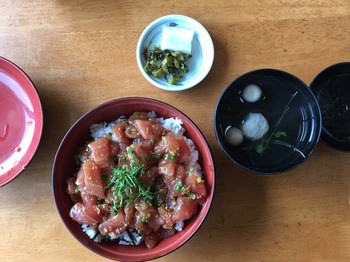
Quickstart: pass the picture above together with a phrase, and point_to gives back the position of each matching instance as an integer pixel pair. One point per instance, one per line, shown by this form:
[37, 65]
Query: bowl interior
[202, 51]
[21, 121]
[290, 109]
[332, 91]
[65, 166]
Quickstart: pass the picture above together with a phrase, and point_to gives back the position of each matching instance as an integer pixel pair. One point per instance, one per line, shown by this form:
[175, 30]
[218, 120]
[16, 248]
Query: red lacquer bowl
[65, 166]
[21, 121]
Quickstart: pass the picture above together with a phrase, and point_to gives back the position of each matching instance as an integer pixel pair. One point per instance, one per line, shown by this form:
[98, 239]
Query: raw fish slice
[185, 151]
[101, 151]
[167, 167]
[80, 182]
[71, 186]
[149, 129]
[197, 187]
[152, 239]
[93, 181]
[174, 148]
[88, 199]
[142, 151]
[85, 214]
[184, 208]
[114, 225]
[119, 132]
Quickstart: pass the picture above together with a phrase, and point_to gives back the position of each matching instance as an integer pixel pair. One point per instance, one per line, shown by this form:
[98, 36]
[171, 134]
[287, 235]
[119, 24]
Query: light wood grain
[81, 53]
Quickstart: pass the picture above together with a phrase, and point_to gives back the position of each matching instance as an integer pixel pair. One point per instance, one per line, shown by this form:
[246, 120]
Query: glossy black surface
[332, 90]
[300, 122]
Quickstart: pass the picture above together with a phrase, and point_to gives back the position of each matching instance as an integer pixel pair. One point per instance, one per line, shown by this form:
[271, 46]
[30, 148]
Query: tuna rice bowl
[138, 180]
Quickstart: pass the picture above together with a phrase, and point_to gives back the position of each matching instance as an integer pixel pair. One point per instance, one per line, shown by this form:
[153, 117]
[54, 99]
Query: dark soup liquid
[290, 120]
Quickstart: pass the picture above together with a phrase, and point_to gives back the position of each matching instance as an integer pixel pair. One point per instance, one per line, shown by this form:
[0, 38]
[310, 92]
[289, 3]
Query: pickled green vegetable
[168, 64]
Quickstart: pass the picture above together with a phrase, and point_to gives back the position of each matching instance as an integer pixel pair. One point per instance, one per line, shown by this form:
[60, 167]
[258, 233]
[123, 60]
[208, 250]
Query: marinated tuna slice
[138, 115]
[71, 187]
[101, 151]
[131, 132]
[152, 239]
[149, 129]
[129, 212]
[185, 151]
[80, 181]
[175, 184]
[141, 151]
[147, 214]
[184, 208]
[155, 220]
[167, 167]
[166, 233]
[86, 214]
[167, 217]
[119, 132]
[173, 148]
[149, 177]
[196, 185]
[93, 182]
[88, 199]
[114, 225]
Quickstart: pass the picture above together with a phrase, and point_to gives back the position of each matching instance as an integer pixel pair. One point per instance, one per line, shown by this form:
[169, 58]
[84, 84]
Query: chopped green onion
[192, 196]
[172, 153]
[157, 156]
[179, 186]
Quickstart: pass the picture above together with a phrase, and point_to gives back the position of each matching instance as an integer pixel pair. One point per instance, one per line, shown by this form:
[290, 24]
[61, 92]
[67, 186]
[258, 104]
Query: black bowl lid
[332, 91]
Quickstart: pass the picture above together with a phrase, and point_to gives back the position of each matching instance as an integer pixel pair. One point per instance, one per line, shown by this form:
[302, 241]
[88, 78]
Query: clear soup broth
[292, 114]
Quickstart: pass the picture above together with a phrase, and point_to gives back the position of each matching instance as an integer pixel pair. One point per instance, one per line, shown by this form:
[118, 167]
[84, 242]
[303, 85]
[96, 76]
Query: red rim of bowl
[22, 113]
[59, 174]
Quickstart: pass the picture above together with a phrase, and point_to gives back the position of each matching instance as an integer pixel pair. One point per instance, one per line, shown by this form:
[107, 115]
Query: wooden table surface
[81, 53]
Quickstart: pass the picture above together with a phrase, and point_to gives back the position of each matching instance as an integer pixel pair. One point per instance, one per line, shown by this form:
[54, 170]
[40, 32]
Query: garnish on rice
[126, 183]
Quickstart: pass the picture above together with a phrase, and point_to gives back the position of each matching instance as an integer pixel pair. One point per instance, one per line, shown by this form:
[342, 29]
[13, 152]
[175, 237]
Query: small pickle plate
[202, 51]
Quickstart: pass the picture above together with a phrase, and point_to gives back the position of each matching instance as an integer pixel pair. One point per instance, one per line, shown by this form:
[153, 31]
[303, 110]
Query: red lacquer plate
[21, 121]
[65, 166]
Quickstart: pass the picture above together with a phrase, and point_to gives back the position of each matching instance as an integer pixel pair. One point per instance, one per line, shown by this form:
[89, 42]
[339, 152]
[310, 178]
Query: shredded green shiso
[126, 183]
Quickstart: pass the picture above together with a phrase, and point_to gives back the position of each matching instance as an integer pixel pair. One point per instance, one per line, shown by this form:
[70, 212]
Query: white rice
[192, 165]
[173, 124]
[123, 238]
[92, 233]
[97, 130]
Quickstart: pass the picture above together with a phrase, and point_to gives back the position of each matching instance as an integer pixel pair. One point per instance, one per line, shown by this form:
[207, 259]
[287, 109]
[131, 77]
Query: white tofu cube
[177, 39]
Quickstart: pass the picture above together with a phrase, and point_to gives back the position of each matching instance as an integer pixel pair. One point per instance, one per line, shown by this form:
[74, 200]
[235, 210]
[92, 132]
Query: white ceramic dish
[202, 51]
